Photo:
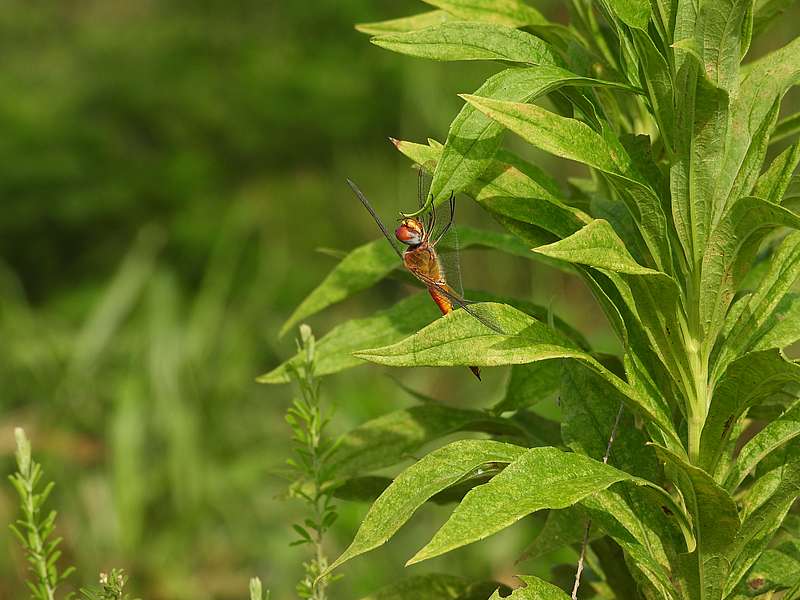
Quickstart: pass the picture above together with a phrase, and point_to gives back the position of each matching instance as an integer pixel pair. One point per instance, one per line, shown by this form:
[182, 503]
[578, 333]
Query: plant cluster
[684, 227]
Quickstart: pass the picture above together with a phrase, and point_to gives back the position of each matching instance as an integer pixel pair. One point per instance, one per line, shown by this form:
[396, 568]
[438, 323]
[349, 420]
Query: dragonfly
[420, 258]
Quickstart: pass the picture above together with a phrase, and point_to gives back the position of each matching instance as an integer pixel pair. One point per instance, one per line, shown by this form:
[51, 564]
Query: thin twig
[581, 559]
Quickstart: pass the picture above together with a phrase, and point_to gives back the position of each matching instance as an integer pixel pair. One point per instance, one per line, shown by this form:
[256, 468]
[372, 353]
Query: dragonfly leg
[450, 221]
[431, 224]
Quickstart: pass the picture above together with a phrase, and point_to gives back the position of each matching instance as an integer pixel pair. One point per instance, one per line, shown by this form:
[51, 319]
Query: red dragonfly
[420, 256]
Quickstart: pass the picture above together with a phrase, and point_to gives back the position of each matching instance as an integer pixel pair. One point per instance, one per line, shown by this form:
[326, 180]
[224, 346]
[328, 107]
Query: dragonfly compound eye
[409, 232]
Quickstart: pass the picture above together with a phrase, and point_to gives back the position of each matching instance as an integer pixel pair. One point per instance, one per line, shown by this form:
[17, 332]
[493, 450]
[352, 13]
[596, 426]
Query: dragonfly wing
[459, 301]
[449, 255]
[375, 216]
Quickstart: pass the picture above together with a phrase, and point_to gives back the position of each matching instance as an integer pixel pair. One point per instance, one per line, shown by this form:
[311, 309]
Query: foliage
[112, 587]
[684, 229]
[313, 483]
[35, 535]
[35, 529]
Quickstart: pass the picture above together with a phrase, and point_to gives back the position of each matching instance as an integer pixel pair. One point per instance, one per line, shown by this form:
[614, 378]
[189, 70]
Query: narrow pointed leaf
[512, 188]
[464, 40]
[574, 140]
[334, 351]
[405, 24]
[414, 486]
[473, 139]
[759, 528]
[458, 339]
[748, 381]
[743, 220]
[512, 13]
[777, 433]
[786, 128]
[757, 317]
[716, 522]
[535, 589]
[772, 184]
[541, 478]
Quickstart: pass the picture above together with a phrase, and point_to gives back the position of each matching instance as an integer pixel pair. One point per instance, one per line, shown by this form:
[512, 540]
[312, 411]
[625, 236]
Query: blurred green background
[168, 171]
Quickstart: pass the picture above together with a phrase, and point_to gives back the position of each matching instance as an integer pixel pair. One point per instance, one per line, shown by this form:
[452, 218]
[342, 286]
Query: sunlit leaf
[412, 488]
[778, 432]
[473, 139]
[572, 139]
[716, 522]
[540, 478]
[458, 339]
[405, 24]
[464, 40]
[760, 525]
[513, 13]
[535, 589]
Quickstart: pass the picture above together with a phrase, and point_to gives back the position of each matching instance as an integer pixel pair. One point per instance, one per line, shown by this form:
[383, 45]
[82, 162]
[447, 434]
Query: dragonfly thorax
[410, 232]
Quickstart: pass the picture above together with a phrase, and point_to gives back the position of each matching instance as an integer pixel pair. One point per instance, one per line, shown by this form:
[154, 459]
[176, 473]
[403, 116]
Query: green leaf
[644, 537]
[459, 339]
[596, 245]
[742, 221]
[368, 264]
[694, 175]
[777, 433]
[751, 379]
[634, 13]
[512, 188]
[395, 436]
[786, 128]
[431, 586]
[782, 328]
[334, 351]
[772, 184]
[359, 270]
[513, 13]
[715, 521]
[757, 317]
[590, 407]
[414, 486]
[721, 36]
[405, 24]
[759, 527]
[535, 589]
[540, 478]
[763, 84]
[562, 528]
[473, 139]
[766, 12]
[659, 84]
[774, 570]
[650, 296]
[574, 140]
[464, 40]
[530, 384]
[590, 413]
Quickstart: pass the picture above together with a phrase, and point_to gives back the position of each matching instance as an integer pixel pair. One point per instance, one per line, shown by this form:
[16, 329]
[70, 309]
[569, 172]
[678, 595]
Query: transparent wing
[460, 302]
[449, 253]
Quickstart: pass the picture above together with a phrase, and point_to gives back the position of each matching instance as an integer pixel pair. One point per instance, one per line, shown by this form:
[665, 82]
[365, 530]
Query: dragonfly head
[410, 232]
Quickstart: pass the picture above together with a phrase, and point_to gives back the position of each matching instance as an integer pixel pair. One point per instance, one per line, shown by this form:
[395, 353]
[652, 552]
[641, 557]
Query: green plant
[112, 587]
[683, 229]
[312, 474]
[35, 535]
[35, 531]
